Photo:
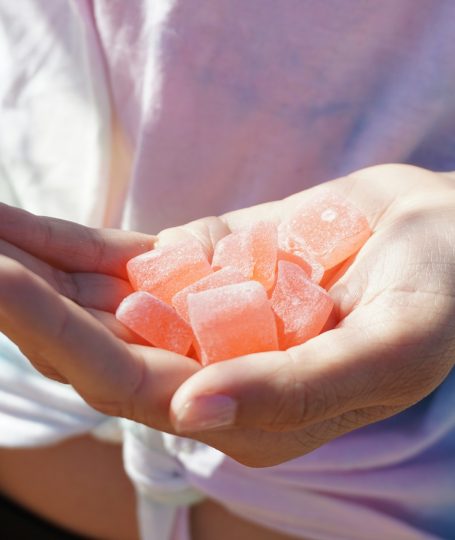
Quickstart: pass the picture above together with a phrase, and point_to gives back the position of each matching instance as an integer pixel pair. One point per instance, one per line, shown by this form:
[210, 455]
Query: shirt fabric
[148, 114]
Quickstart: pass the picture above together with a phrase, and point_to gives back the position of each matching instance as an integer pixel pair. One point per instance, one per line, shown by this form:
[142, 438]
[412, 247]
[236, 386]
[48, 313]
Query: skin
[81, 486]
[393, 343]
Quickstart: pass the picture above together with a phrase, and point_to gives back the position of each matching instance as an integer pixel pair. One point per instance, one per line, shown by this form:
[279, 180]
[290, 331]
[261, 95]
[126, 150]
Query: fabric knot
[159, 479]
[156, 474]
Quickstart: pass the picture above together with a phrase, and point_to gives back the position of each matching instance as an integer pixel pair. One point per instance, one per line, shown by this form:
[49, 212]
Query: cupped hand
[60, 284]
[394, 342]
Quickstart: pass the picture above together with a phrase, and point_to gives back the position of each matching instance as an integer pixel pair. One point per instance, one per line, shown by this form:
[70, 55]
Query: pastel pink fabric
[227, 103]
[146, 114]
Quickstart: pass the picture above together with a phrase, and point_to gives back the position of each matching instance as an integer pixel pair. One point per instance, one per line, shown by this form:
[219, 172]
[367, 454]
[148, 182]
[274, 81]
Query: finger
[39, 319]
[117, 328]
[259, 448]
[98, 291]
[371, 360]
[274, 391]
[41, 364]
[131, 381]
[208, 231]
[70, 246]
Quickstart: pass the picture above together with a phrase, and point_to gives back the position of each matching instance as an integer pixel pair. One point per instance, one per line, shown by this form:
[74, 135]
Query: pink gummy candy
[252, 251]
[328, 227]
[231, 321]
[155, 321]
[165, 271]
[299, 254]
[226, 276]
[301, 307]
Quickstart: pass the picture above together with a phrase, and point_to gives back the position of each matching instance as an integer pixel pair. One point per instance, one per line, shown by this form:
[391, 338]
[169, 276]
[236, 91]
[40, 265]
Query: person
[217, 106]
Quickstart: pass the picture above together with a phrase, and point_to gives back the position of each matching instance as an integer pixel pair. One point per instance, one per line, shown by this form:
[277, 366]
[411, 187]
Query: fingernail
[205, 413]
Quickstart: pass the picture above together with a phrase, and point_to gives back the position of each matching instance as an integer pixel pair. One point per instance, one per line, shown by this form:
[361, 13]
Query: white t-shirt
[149, 113]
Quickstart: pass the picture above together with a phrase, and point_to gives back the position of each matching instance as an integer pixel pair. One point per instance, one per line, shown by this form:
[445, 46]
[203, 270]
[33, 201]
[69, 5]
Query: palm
[391, 347]
[59, 286]
[394, 342]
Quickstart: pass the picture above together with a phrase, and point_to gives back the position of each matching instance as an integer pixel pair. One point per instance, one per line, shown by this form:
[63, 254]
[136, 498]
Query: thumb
[346, 369]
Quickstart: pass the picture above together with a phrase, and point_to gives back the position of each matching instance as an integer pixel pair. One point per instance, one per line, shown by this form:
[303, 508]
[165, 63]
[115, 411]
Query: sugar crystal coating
[155, 321]
[252, 251]
[226, 276]
[165, 271]
[300, 254]
[328, 226]
[301, 307]
[228, 309]
[231, 321]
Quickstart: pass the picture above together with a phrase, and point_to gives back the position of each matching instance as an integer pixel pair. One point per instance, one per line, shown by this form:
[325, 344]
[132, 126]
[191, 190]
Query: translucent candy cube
[155, 321]
[165, 271]
[231, 321]
[252, 251]
[328, 227]
[226, 276]
[301, 307]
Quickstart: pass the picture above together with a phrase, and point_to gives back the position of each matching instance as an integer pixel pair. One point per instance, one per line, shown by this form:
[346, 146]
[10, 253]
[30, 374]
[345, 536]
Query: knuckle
[66, 284]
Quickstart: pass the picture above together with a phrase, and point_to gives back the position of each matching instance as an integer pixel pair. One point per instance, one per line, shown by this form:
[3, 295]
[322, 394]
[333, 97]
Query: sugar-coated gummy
[301, 307]
[231, 321]
[227, 304]
[299, 253]
[225, 276]
[165, 271]
[328, 226]
[155, 321]
[252, 251]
